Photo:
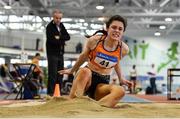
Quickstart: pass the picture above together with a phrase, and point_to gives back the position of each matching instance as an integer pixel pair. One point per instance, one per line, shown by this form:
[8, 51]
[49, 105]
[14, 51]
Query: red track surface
[157, 98]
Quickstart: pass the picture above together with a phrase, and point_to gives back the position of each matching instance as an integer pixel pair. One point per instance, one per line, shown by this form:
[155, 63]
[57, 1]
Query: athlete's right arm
[82, 57]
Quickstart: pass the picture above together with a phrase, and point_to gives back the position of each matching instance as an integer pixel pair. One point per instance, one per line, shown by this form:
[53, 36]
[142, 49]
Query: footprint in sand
[123, 106]
[96, 110]
[72, 112]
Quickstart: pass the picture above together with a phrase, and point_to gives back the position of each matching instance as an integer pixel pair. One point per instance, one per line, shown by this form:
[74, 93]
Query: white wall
[15, 38]
[156, 53]
[71, 44]
[12, 38]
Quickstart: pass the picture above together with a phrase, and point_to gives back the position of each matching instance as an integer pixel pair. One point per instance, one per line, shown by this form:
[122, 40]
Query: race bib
[104, 60]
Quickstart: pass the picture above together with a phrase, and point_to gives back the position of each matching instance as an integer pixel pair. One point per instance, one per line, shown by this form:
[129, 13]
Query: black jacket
[56, 40]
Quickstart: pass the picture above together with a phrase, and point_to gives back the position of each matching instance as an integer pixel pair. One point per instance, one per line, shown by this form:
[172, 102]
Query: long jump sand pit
[85, 107]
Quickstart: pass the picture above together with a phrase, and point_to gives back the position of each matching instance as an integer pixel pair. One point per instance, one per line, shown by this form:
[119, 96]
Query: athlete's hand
[126, 82]
[65, 71]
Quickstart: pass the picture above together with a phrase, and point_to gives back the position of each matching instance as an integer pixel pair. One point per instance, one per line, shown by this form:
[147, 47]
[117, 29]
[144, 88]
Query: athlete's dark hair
[116, 18]
[37, 54]
[108, 23]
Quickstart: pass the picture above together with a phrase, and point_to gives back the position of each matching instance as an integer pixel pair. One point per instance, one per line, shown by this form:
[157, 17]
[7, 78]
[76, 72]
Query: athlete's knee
[84, 73]
[119, 91]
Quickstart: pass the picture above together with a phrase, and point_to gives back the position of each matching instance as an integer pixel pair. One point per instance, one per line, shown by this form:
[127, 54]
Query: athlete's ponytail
[97, 32]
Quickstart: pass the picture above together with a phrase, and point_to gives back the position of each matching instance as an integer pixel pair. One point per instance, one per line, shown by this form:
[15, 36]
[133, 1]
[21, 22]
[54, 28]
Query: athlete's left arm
[117, 68]
[125, 49]
[120, 75]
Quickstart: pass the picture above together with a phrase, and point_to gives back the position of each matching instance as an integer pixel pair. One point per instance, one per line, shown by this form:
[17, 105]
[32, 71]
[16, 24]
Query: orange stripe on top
[102, 58]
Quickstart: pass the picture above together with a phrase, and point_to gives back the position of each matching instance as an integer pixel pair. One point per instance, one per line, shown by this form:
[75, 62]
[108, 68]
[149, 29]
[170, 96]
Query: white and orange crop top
[103, 58]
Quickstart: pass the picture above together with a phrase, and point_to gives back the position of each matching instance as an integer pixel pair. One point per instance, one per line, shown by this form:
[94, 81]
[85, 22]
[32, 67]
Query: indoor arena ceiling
[141, 14]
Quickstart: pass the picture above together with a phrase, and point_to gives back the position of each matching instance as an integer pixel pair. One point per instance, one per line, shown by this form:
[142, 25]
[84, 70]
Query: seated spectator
[3, 71]
[38, 73]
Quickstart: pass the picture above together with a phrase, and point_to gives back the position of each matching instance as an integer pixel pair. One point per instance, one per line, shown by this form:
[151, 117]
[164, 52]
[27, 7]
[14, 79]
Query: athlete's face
[57, 18]
[116, 30]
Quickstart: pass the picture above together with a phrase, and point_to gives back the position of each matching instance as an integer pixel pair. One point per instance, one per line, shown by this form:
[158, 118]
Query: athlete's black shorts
[96, 79]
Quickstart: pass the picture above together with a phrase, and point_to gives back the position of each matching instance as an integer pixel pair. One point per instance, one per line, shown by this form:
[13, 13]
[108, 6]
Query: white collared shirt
[58, 28]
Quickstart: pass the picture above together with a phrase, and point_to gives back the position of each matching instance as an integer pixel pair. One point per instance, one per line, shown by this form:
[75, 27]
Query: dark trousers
[153, 85]
[55, 63]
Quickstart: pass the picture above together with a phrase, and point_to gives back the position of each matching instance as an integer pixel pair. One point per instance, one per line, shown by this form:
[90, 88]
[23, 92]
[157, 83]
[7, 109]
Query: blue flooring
[129, 98]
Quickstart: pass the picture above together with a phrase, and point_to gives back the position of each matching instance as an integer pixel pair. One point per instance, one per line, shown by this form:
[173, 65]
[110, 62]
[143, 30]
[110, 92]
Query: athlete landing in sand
[103, 53]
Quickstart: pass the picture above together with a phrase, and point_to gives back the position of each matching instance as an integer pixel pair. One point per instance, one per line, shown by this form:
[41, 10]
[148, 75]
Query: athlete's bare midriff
[102, 71]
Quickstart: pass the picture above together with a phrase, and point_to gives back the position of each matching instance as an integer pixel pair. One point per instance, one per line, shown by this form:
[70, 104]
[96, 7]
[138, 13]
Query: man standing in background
[152, 78]
[56, 35]
[133, 78]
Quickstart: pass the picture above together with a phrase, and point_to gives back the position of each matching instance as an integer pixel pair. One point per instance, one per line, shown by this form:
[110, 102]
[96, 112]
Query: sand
[86, 107]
